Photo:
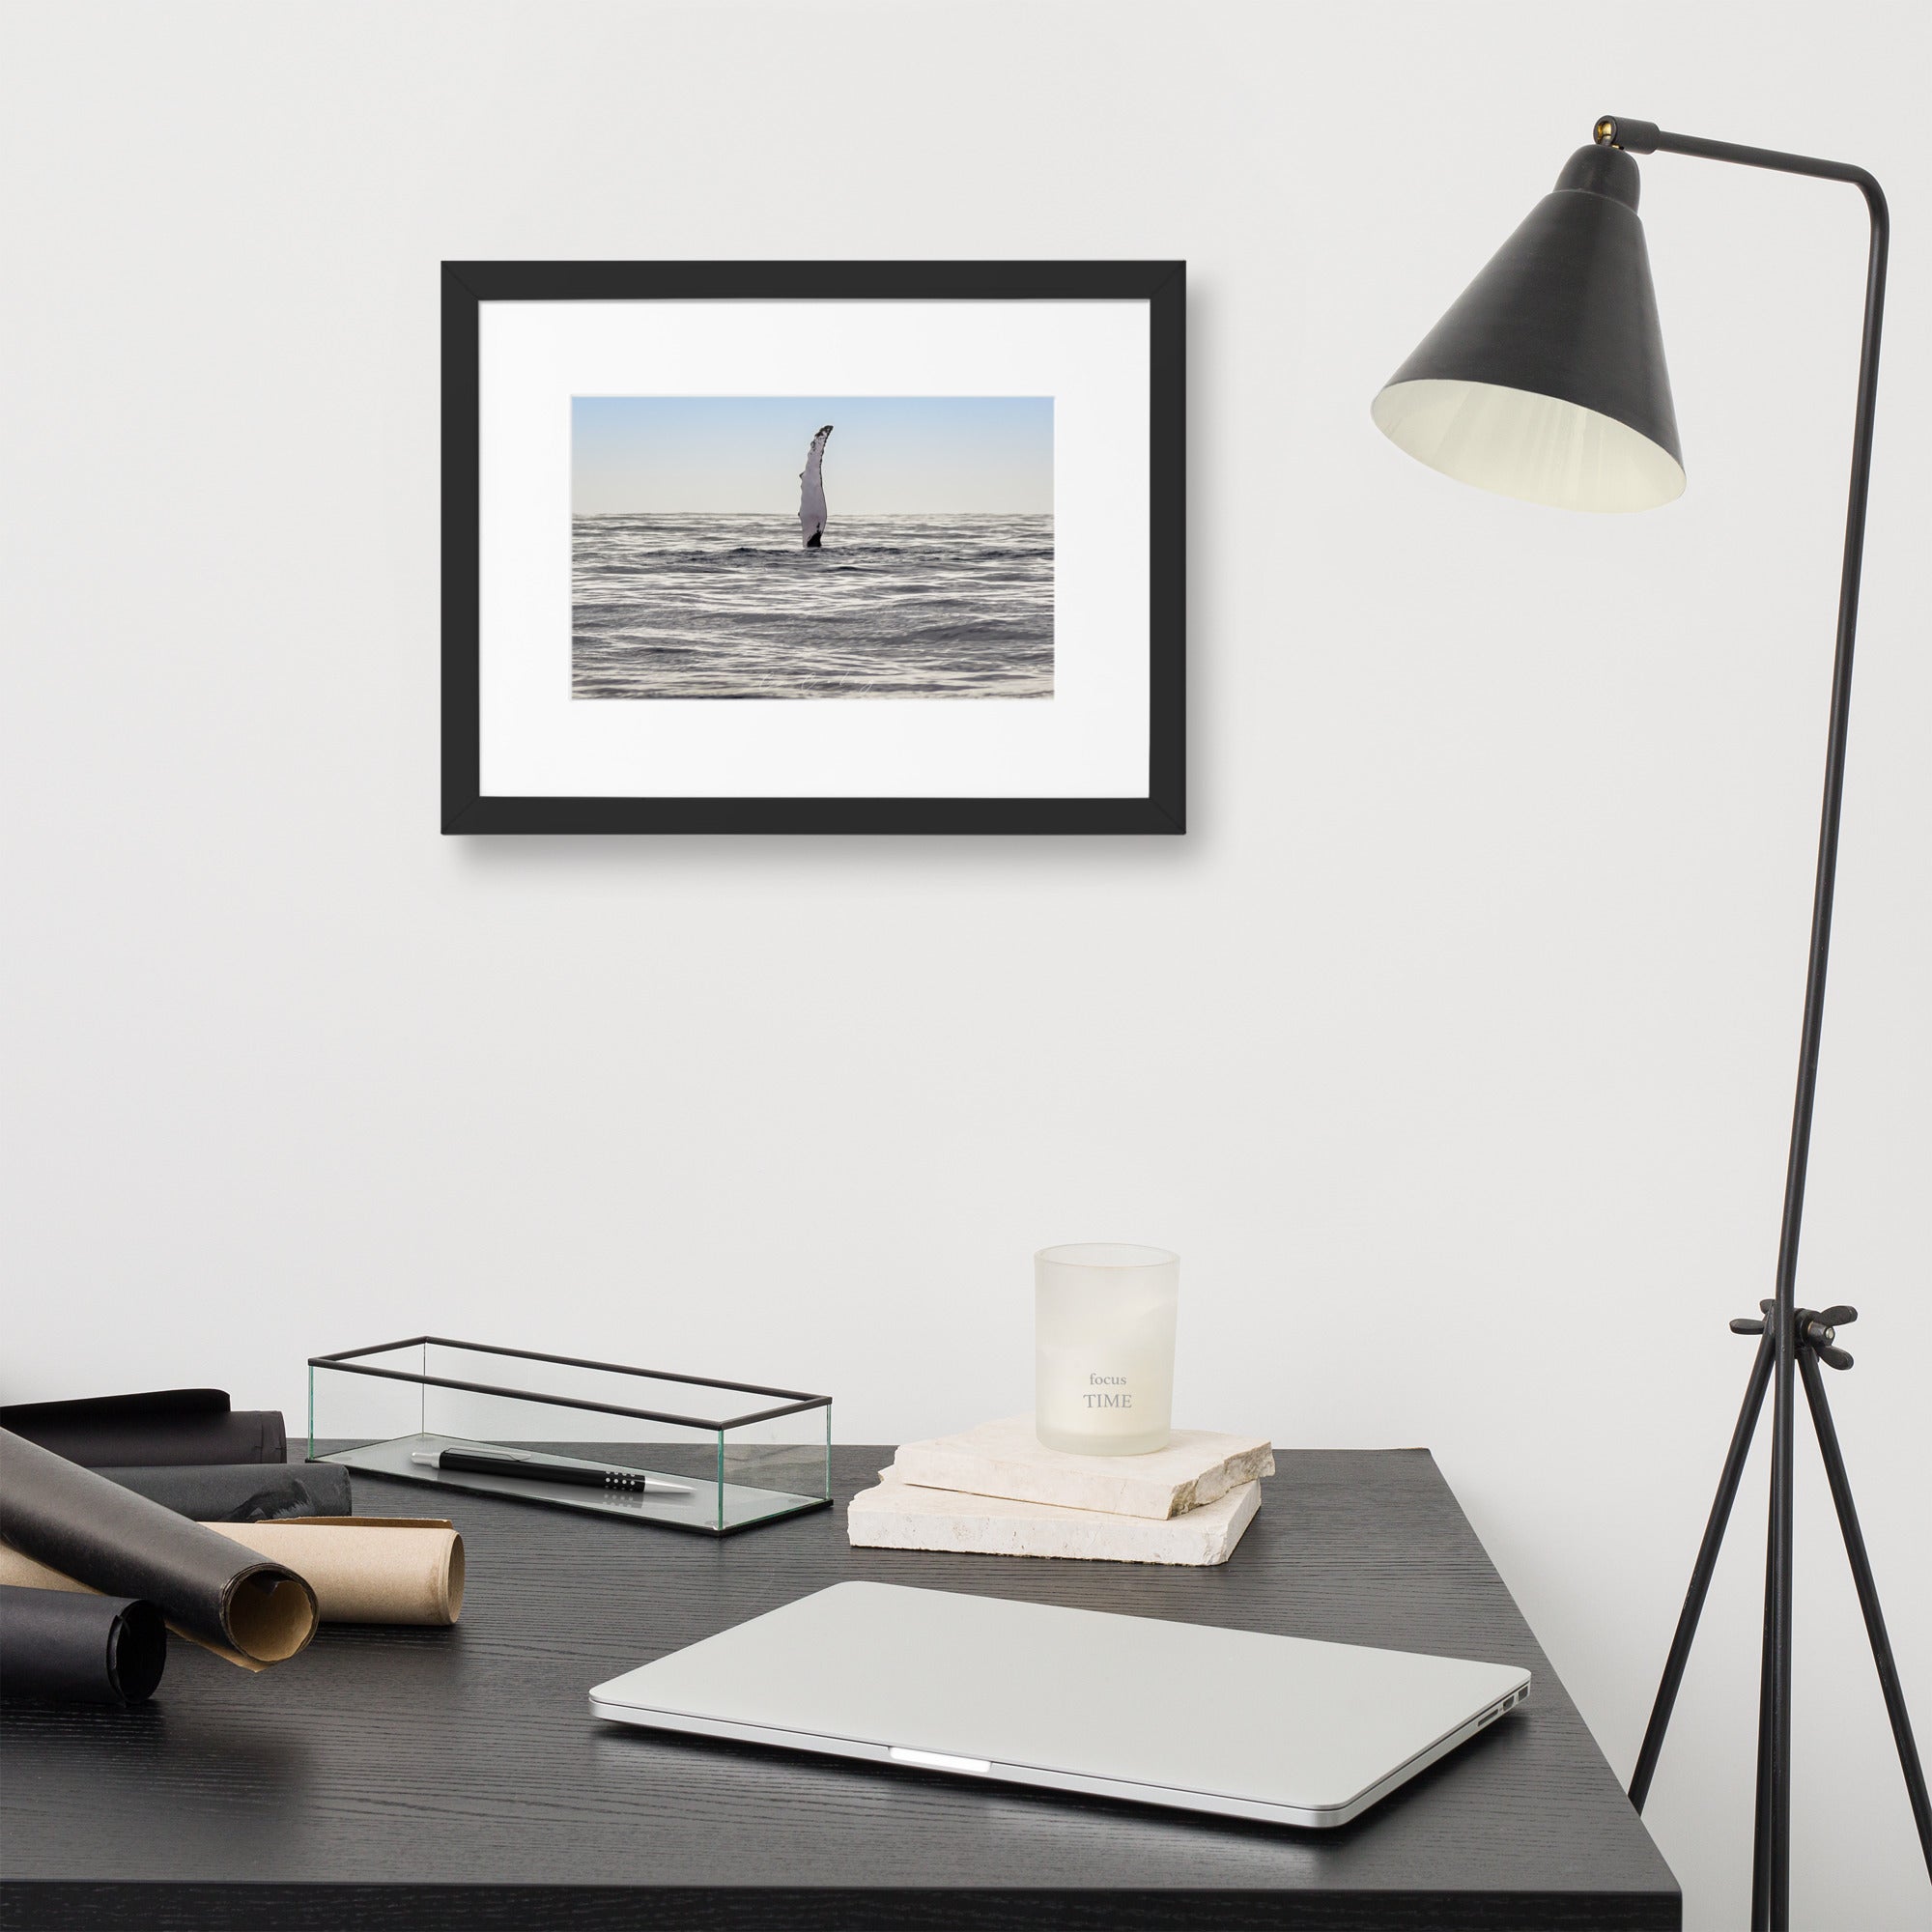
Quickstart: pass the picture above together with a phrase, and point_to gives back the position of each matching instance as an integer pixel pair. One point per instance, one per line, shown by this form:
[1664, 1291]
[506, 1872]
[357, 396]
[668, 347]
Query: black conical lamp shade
[1546, 381]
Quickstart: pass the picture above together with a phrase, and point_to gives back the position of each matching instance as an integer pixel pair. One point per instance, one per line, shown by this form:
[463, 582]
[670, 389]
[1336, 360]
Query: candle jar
[1103, 1339]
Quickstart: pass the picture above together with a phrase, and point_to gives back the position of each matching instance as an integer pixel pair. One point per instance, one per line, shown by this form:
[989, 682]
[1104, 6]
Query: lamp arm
[1647, 137]
[1772, 1880]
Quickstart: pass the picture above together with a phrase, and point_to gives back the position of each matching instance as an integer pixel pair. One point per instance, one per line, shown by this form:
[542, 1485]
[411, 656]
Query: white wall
[1453, 1047]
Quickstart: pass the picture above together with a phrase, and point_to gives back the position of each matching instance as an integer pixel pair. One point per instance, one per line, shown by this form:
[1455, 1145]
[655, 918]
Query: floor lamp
[1546, 381]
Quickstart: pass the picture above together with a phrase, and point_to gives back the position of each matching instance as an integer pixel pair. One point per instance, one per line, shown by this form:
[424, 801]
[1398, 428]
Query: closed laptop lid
[875, 1669]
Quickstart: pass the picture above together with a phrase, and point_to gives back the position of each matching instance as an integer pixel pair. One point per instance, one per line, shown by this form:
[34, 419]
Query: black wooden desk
[414, 1780]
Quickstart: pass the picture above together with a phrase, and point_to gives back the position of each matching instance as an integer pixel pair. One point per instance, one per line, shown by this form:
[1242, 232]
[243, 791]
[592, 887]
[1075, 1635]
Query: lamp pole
[1771, 1886]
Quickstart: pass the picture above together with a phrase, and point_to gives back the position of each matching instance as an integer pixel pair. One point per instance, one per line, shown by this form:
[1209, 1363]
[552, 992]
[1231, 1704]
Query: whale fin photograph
[690, 577]
[811, 491]
[814, 547]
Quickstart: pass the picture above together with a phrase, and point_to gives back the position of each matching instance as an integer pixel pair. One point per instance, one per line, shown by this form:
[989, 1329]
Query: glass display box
[683, 1452]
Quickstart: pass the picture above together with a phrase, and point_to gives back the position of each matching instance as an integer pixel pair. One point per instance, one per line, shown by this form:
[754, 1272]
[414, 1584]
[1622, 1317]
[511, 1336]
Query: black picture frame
[1161, 285]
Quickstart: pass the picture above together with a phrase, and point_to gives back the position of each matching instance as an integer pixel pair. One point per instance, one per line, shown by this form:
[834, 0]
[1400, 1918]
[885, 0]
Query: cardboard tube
[366, 1569]
[363, 1570]
[104, 1538]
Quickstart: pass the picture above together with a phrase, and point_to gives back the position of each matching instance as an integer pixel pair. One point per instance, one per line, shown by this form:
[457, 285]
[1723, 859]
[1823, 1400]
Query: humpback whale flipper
[811, 491]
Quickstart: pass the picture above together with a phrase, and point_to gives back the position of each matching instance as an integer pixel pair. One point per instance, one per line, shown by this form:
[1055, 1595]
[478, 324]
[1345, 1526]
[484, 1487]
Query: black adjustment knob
[1747, 1325]
[1834, 1358]
[1837, 1317]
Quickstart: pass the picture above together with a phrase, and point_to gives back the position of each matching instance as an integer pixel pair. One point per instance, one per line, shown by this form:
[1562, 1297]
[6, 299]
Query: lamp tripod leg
[1810, 1334]
[1780, 1569]
[1702, 1572]
[1761, 1815]
[1867, 1588]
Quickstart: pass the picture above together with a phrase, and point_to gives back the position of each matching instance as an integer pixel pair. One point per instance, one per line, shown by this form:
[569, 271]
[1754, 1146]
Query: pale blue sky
[905, 455]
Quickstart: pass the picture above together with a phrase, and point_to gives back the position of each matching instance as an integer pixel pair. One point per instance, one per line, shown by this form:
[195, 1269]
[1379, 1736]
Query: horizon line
[791, 516]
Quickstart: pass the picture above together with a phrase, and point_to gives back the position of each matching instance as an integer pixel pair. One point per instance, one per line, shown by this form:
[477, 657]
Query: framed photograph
[813, 546]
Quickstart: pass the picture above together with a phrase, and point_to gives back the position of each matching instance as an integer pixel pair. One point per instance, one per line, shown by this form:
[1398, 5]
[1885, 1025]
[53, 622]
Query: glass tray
[737, 1453]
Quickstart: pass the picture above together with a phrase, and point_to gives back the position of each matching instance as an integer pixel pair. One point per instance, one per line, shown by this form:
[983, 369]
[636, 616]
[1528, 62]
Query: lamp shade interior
[1518, 444]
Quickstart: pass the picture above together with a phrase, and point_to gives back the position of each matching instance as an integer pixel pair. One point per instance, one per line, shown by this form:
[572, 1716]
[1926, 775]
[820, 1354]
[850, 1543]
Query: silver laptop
[1279, 1728]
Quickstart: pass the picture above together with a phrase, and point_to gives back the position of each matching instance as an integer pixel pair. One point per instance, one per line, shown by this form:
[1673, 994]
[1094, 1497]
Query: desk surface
[424, 1779]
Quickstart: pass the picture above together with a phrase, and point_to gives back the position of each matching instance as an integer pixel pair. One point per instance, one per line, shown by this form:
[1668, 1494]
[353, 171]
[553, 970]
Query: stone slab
[899, 1515]
[1007, 1458]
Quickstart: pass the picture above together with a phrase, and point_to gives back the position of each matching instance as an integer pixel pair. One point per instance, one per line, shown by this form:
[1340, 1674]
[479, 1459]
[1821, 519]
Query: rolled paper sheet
[363, 1570]
[161, 1425]
[64, 1648]
[242, 1492]
[20, 1571]
[367, 1570]
[109, 1539]
[23, 1573]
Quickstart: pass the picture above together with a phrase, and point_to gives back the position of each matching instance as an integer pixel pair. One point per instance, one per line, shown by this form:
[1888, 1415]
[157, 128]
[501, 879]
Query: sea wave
[736, 607]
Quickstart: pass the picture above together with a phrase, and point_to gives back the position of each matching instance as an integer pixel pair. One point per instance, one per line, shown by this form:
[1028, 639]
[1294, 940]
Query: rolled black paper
[161, 1427]
[242, 1492]
[121, 1545]
[62, 1646]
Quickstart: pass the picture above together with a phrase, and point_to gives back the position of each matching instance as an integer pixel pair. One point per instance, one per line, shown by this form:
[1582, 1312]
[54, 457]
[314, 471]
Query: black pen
[535, 1468]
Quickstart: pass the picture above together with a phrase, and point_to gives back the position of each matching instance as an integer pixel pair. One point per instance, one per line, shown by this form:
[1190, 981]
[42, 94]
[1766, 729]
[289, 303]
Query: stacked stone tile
[997, 1490]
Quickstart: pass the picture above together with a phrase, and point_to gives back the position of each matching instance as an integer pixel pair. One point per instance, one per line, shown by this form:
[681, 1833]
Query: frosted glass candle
[1103, 1346]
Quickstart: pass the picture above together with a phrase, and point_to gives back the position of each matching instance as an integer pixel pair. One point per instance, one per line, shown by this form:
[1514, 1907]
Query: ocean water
[735, 606]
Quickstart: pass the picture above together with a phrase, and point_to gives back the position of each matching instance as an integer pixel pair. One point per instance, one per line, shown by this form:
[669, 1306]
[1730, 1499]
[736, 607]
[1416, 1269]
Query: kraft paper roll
[63, 1648]
[109, 1539]
[162, 1426]
[242, 1492]
[367, 1570]
[363, 1570]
